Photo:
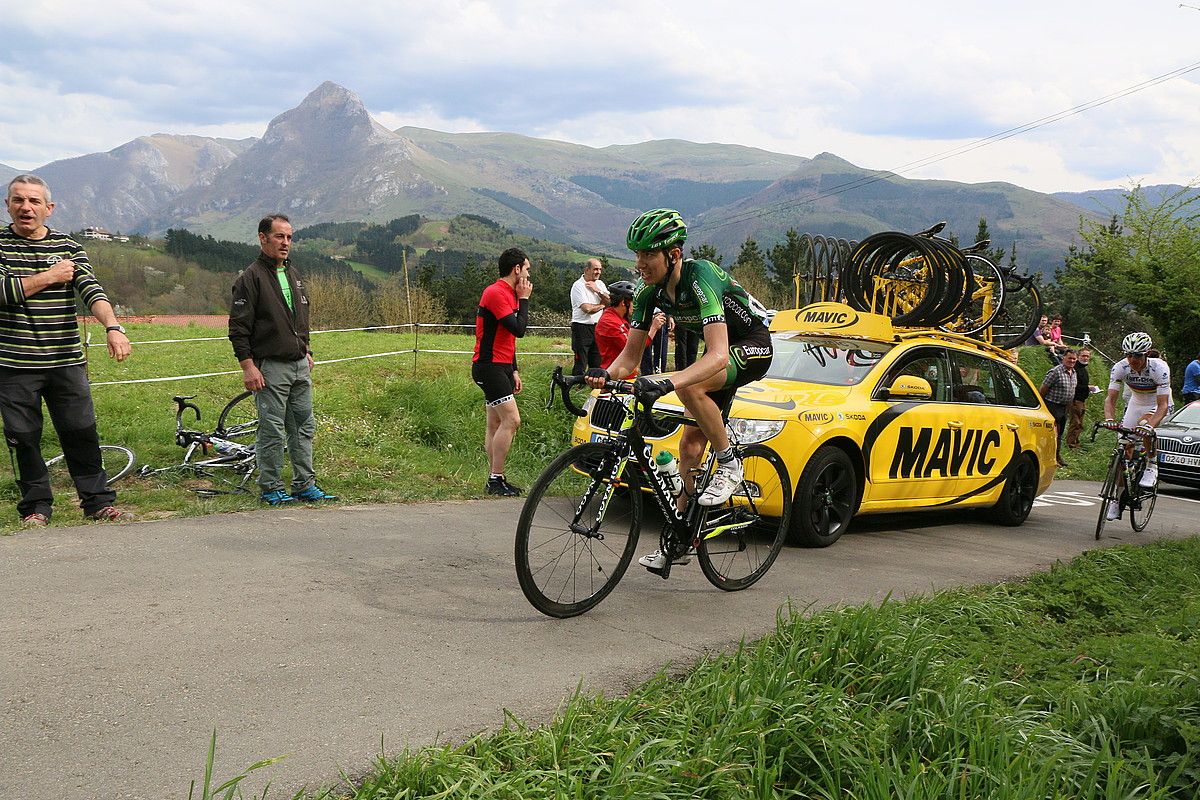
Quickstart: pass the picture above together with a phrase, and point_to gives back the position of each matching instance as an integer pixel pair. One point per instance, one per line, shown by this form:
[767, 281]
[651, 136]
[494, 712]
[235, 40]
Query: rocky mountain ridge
[328, 160]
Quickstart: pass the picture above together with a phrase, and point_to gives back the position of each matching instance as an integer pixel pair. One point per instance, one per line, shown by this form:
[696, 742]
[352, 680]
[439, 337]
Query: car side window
[1021, 393]
[974, 379]
[929, 363]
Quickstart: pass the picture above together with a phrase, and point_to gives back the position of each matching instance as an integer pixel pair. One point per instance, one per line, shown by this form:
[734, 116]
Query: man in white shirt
[589, 298]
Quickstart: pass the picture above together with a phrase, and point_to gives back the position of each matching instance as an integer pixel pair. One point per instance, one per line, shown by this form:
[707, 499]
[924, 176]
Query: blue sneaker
[313, 494]
[277, 498]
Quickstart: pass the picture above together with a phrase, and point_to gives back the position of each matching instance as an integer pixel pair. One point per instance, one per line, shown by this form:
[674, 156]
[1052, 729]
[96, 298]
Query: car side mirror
[910, 387]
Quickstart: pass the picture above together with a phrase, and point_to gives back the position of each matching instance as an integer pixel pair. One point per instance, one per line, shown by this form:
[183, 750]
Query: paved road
[315, 633]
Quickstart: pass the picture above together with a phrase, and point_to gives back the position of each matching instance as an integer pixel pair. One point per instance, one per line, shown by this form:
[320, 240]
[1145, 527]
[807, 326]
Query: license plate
[602, 437]
[1179, 458]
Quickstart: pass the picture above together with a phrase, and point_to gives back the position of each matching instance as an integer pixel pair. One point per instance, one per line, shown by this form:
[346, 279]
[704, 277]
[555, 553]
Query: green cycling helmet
[656, 230]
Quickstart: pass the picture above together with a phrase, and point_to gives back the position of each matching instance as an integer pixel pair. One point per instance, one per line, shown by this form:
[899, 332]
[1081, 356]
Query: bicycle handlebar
[564, 384]
[1119, 428]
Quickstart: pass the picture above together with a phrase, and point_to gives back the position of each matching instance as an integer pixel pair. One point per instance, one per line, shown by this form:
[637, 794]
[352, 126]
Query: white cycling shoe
[1149, 477]
[657, 560]
[724, 482]
[1113, 512]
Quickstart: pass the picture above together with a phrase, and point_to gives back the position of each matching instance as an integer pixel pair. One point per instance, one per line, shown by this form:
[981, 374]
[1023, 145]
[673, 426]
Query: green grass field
[389, 429]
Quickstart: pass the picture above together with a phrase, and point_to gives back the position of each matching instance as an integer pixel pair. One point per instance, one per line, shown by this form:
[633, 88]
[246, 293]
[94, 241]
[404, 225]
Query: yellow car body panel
[953, 449]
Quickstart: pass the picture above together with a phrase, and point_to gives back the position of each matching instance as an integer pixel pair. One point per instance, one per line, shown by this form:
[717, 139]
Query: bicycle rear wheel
[1141, 500]
[118, 463]
[741, 539]
[239, 418]
[577, 532]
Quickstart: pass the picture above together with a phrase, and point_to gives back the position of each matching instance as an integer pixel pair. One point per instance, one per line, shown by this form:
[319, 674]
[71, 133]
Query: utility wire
[879, 175]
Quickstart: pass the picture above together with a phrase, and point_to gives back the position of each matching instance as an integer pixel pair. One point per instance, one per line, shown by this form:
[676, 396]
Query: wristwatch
[117, 328]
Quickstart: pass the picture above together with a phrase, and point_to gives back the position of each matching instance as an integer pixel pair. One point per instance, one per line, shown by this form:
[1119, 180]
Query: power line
[879, 175]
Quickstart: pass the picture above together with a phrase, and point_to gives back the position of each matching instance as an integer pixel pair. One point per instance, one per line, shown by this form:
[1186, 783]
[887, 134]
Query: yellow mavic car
[871, 419]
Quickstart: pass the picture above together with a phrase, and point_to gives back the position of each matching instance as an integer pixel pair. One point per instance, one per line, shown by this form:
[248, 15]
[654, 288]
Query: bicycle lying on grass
[118, 463]
[580, 524]
[226, 453]
[1122, 482]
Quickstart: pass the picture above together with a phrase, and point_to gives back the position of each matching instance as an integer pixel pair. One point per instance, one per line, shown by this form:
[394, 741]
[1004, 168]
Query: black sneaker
[502, 487]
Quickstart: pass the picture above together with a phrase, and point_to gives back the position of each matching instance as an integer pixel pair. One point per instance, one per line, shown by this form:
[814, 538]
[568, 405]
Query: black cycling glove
[596, 372]
[650, 389]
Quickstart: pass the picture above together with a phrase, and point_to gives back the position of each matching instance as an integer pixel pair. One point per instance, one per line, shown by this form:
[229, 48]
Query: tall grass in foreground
[1079, 683]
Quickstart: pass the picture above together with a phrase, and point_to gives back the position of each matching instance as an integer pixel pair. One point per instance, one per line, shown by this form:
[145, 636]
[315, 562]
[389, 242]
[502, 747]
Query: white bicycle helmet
[1136, 344]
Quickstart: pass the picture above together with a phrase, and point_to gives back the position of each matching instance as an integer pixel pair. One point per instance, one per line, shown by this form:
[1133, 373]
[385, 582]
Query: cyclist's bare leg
[502, 423]
[710, 426]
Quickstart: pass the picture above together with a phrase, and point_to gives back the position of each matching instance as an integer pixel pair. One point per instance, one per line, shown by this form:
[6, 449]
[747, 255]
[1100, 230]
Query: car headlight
[751, 431]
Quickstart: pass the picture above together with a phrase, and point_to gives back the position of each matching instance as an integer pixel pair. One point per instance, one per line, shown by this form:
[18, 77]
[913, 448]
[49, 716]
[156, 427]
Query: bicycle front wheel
[577, 532]
[1108, 492]
[740, 540]
[118, 463]
[239, 418]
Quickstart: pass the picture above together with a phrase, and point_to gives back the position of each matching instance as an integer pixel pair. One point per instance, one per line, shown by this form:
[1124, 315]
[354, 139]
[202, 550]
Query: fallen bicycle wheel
[118, 463]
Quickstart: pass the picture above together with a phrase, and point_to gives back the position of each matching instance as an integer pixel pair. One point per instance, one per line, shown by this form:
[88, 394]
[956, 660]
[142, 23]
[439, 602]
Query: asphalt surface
[320, 633]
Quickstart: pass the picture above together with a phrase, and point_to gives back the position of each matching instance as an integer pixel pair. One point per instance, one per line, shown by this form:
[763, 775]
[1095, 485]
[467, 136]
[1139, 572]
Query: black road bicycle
[226, 453]
[1122, 482]
[580, 524]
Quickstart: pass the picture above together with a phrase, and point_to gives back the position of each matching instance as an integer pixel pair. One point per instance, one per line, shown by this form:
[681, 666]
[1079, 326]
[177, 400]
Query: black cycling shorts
[749, 360]
[496, 381]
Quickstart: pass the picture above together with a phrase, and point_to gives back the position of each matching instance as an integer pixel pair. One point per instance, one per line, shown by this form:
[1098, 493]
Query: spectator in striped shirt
[41, 357]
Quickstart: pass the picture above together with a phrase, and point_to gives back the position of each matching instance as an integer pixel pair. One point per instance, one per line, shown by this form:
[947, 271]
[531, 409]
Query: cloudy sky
[878, 83]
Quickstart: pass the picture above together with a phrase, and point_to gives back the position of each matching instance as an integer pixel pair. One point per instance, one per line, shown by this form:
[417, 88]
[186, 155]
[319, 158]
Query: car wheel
[826, 497]
[1016, 499]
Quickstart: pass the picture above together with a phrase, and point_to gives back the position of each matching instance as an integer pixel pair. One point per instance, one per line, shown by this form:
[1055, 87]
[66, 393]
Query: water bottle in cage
[668, 467]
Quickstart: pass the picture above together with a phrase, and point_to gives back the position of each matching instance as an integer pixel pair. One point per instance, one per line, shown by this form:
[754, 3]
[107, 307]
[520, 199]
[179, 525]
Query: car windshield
[1188, 415]
[824, 359]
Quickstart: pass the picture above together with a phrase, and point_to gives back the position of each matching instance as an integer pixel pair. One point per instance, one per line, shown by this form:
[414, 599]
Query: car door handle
[1012, 426]
[954, 423]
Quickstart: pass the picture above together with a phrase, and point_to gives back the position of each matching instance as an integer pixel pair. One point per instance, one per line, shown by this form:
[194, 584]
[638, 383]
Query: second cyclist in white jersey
[1149, 382]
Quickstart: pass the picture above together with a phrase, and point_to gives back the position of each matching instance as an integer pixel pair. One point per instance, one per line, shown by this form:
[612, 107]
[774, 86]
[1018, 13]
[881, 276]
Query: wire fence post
[408, 301]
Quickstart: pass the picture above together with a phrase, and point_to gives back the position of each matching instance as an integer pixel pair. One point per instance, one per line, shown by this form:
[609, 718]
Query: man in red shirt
[501, 319]
[612, 330]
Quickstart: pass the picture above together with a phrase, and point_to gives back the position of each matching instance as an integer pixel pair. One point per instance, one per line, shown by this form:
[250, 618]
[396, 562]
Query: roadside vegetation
[390, 429]
[1081, 682]
[398, 428]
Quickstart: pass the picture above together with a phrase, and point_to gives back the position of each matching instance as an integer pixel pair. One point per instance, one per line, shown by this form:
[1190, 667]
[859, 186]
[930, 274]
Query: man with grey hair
[41, 356]
[589, 298]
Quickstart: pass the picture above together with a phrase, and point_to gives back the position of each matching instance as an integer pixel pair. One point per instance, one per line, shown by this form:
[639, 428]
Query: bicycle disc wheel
[239, 418]
[577, 532]
[1141, 509]
[118, 463]
[741, 539]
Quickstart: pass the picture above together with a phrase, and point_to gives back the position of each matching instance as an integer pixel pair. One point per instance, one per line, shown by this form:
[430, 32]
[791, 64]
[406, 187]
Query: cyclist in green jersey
[737, 346]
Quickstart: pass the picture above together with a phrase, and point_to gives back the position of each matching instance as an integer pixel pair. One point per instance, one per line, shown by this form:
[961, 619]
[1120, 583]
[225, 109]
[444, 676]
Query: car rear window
[824, 359]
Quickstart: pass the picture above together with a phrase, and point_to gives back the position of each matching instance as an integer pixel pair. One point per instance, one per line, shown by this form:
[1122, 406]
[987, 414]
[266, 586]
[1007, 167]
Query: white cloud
[881, 84]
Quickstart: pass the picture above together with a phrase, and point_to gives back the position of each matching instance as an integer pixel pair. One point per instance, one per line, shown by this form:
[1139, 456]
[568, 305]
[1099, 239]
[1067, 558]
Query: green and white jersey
[705, 294]
[41, 330]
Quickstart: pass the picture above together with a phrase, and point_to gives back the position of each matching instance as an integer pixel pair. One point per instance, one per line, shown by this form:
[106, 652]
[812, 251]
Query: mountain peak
[331, 113]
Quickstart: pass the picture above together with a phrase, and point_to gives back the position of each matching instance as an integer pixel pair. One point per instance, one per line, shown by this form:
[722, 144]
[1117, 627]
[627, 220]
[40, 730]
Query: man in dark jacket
[268, 325]
[1079, 404]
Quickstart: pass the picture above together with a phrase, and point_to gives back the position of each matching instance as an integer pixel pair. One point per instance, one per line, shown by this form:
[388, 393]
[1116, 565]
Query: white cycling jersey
[1145, 387]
